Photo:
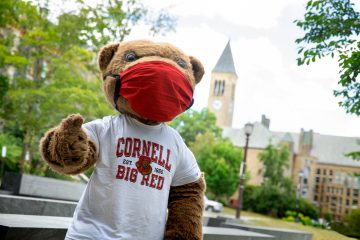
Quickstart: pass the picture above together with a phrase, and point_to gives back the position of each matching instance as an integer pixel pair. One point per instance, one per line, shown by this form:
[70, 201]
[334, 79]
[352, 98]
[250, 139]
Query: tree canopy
[193, 123]
[220, 161]
[276, 161]
[217, 157]
[276, 194]
[332, 28]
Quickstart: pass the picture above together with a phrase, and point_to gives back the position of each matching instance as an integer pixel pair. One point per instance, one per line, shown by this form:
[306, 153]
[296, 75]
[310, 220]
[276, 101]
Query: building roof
[225, 64]
[332, 149]
[326, 148]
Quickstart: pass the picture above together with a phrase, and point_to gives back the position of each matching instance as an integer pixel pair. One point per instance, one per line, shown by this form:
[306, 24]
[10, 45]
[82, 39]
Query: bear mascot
[146, 183]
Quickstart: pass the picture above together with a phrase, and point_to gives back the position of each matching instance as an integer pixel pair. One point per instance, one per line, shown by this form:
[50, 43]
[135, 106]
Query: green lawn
[262, 220]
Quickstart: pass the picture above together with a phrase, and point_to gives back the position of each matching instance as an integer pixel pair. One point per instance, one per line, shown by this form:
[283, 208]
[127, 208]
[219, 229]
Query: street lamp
[298, 195]
[248, 129]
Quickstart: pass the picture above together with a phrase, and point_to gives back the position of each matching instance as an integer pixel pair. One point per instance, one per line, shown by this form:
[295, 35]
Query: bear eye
[130, 56]
[181, 63]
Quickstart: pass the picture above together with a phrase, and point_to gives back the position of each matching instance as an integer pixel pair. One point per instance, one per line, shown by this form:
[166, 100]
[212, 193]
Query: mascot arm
[67, 148]
[186, 205]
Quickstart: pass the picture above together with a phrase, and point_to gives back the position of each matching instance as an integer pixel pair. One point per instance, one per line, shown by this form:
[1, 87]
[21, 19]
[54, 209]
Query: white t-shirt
[120, 202]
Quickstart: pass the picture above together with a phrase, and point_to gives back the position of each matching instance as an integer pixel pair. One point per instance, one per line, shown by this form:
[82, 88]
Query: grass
[266, 221]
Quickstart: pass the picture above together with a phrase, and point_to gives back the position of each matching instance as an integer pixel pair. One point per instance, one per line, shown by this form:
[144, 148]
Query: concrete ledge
[220, 233]
[14, 226]
[29, 185]
[11, 204]
[278, 233]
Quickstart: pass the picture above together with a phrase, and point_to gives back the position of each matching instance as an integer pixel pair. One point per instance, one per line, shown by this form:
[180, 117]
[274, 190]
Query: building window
[343, 178]
[318, 171]
[355, 203]
[315, 198]
[331, 173]
[349, 182]
[347, 202]
[317, 179]
[356, 183]
[348, 192]
[356, 193]
[324, 171]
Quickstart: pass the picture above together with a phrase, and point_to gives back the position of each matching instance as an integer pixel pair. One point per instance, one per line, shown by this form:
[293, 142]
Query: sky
[262, 37]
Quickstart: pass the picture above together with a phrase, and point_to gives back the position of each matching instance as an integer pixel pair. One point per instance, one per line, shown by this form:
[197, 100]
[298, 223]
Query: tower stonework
[222, 89]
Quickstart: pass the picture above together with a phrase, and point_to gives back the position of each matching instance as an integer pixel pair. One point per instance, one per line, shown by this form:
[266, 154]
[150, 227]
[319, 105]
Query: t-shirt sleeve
[92, 129]
[187, 169]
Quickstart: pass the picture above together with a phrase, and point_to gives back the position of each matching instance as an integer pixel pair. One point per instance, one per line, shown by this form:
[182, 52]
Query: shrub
[354, 222]
[291, 217]
[308, 209]
[352, 227]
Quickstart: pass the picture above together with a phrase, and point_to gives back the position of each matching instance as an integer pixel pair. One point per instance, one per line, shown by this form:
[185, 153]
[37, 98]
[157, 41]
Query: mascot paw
[73, 140]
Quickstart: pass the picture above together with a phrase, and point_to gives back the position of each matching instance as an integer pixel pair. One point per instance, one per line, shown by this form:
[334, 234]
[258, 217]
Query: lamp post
[298, 195]
[248, 129]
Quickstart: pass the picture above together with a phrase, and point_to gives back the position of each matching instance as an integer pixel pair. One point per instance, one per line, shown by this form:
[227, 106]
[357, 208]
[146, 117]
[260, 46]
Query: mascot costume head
[151, 81]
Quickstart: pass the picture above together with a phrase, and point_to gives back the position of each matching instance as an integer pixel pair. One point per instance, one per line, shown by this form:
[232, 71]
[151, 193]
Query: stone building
[329, 178]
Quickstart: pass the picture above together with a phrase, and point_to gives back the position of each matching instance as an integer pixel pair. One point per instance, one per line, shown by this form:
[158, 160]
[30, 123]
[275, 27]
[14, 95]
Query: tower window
[215, 87]
[222, 87]
[219, 87]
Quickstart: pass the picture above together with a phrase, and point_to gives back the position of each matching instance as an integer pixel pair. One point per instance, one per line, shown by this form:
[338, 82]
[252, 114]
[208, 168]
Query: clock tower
[222, 88]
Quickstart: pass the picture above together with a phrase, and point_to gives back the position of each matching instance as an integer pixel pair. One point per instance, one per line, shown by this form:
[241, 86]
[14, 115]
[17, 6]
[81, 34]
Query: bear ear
[106, 54]
[198, 69]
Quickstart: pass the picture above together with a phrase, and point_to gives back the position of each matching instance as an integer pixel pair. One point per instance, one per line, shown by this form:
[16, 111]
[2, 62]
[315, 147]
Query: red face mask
[155, 90]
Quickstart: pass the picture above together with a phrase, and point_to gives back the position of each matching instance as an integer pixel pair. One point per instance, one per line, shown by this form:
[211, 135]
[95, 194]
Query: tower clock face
[217, 104]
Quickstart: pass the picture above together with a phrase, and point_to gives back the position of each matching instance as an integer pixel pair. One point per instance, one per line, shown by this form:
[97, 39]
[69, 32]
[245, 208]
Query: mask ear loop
[192, 102]
[117, 88]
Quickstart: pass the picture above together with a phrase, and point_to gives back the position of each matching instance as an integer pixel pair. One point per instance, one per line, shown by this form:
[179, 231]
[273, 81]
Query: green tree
[13, 147]
[48, 61]
[217, 157]
[332, 28]
[276, 194]
[275, 160]
[220, 161]
[193, 123]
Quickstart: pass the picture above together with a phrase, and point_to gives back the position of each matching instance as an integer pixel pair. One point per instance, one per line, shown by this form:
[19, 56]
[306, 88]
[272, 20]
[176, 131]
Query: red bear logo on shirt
[143, 165]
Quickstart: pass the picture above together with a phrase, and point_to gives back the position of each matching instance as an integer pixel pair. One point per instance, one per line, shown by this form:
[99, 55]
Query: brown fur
[67, 149]
[186, 205]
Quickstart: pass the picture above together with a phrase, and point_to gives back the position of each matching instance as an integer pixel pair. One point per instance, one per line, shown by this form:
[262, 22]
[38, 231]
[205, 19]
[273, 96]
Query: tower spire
[225, 64]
